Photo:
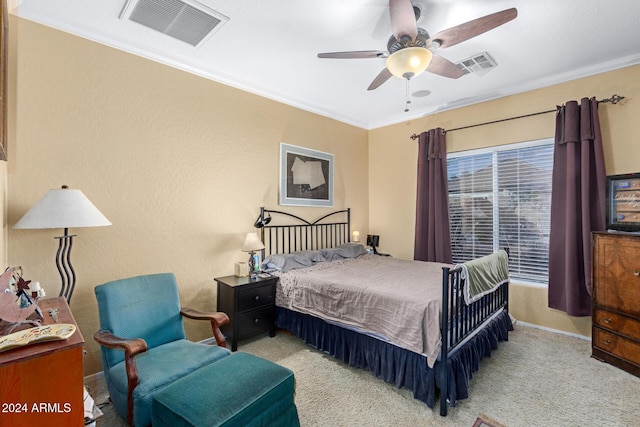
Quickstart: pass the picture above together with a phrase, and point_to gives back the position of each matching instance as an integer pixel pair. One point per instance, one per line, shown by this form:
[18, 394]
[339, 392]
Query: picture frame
[306, 177]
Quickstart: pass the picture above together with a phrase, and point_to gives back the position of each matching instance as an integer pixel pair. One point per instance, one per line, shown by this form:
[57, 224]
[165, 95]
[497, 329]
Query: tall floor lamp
[63, 208]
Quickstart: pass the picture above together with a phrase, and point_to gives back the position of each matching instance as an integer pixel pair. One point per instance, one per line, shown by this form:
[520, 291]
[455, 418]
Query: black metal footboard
[461, 320]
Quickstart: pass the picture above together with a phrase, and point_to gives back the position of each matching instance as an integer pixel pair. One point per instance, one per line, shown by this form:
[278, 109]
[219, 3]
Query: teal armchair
[143, 342]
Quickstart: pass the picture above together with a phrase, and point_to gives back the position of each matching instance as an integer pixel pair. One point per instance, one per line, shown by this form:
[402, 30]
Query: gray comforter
[397, 300]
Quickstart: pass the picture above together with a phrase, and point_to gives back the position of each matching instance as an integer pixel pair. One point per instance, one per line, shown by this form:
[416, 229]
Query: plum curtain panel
[578, 198]
[432, 235]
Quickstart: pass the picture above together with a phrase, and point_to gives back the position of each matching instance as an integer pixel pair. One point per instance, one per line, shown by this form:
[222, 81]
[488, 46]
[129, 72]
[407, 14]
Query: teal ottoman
[237, 390]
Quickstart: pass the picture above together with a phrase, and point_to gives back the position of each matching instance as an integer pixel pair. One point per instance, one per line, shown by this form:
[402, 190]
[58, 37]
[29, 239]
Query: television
[623, 202]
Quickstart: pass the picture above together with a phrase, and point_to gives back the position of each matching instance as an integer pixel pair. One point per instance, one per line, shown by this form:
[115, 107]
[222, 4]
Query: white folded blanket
[483, 275]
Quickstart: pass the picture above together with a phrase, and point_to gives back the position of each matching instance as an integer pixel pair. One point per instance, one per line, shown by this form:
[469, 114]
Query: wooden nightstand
[250, 305]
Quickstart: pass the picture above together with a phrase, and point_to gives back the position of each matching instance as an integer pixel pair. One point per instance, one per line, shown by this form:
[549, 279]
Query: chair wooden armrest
[217, 319]
[131, 348]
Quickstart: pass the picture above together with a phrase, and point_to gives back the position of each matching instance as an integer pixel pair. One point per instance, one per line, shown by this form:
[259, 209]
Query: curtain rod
[614, 100]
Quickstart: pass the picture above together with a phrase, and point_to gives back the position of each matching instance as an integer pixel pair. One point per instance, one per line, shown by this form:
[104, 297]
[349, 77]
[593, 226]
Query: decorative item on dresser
[250, 305]
[616, 300]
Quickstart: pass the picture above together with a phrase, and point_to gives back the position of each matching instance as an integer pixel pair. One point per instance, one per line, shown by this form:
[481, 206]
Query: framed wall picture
[306, 177]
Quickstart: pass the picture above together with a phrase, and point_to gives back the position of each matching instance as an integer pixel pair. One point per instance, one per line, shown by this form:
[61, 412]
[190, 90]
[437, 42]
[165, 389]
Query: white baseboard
[531, 325]
[93, 377]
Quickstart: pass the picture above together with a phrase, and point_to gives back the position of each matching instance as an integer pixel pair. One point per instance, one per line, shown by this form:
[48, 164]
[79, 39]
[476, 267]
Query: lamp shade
[63, 208]
[409, 62]
[252, 243]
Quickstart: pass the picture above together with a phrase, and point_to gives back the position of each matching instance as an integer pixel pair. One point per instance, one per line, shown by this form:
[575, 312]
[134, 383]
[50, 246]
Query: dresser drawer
[626, 349]
[254, 322]
[617, 323]
[256, 297]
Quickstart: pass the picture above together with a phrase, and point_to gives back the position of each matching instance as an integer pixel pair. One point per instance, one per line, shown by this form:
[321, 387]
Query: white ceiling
[270, 47]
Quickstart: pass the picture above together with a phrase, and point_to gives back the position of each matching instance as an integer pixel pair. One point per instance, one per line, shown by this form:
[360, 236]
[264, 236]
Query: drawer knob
[256, 320]
[607, 342]
[257, 297]
[607, 320]
[636, 273]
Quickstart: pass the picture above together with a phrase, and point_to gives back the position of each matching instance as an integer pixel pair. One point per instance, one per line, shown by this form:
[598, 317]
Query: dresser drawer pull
[256, 320]
[607, 320]
[607, 342]
[257, 298]
[636, 273]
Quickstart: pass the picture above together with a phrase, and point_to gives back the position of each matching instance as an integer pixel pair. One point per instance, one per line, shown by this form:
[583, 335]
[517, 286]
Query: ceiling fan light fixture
[409, 62]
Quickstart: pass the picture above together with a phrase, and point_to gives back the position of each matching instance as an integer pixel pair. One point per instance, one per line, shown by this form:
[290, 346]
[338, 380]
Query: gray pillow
[286, 262]
[300, 259]
[346, 250]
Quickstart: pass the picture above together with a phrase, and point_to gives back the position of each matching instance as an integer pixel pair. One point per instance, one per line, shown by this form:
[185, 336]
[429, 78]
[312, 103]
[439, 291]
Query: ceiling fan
[409, 49]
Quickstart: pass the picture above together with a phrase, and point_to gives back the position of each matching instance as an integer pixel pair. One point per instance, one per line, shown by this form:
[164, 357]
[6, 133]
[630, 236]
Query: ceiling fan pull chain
[408, 101]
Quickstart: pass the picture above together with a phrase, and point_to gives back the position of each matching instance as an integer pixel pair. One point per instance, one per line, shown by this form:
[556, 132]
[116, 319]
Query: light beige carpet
[538, 378]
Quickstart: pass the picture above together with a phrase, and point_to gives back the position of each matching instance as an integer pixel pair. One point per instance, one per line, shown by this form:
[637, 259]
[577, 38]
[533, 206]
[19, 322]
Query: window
[501, 197]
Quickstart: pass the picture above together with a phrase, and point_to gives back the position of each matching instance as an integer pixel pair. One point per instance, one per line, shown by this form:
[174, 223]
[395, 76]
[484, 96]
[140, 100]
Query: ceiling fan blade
[354, 54]
[462, 32]
[403, 20]
[380, 78]
[444, 67]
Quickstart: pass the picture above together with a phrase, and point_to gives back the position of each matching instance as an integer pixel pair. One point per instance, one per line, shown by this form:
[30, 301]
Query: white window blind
[501, 198]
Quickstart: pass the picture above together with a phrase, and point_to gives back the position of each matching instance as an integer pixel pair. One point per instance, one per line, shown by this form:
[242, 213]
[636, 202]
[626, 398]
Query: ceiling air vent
[187, 21]
[479, 64]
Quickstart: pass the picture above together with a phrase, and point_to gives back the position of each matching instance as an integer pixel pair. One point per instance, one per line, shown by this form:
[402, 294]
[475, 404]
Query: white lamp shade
[409, 62]
[252, 243]
[63, 208]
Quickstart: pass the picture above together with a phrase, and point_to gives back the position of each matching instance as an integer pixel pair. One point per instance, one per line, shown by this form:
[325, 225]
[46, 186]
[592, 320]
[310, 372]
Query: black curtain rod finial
[615, 98]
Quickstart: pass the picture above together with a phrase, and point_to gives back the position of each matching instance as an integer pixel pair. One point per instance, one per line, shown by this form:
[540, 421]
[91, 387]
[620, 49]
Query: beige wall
[393, 156]
[179, 164]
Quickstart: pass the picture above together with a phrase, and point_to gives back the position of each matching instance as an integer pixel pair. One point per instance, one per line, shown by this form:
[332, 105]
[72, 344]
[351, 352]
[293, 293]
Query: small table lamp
[63, 208]
[252, 244]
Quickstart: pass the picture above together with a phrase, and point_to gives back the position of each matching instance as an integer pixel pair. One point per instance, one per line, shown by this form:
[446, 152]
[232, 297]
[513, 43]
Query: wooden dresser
[616, 300]
[42, 384]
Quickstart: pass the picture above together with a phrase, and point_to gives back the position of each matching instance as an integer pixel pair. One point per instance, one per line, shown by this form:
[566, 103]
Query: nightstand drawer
[626, 349]
[617, 323]
[254, 322]
[255, 297]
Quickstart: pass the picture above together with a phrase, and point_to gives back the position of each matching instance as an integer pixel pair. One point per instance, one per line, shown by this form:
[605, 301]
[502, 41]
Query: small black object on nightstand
[250, 305]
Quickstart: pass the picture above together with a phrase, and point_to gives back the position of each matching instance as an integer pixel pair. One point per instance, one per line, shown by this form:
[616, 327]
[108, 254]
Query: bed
[380, 313]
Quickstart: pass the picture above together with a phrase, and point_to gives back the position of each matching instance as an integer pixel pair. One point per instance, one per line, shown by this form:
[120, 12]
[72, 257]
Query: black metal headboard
[325, 232]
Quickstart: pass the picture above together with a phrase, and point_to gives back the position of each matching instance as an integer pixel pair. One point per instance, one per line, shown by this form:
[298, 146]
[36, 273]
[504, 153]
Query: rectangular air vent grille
[479, 64]
[188, 21]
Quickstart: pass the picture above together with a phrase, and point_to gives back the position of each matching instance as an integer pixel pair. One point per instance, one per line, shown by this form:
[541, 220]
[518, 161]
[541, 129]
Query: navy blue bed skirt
[393, 364]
